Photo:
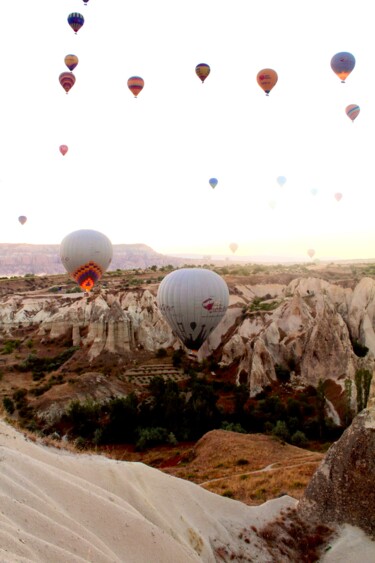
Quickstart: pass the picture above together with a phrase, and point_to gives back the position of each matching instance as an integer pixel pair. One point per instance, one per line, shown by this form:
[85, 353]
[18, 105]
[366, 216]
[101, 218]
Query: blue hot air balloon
[213, 182]
[342, 65]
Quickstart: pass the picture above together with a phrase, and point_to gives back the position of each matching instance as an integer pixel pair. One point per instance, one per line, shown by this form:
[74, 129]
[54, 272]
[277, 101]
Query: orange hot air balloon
[22, 219]
[352, 111]
[67, 80]
[311, 252]
[71, 61]
[267, 79]
[202, 71]
[338, 196]
[135, 85]
[63, 149]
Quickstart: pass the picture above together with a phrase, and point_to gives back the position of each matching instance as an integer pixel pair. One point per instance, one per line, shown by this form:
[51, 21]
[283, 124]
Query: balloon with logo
[71, 61]
[135, 85]
[202, 71]
[86, 255]
[311, 252]
[338, 196]
[342, 65]
[213, 182]
[352, 111]
[63, 149]
[193, 301]
[267, 79]
[76, 21]
[281, 180]
[67, 80]
[233, 246]
[22, 219]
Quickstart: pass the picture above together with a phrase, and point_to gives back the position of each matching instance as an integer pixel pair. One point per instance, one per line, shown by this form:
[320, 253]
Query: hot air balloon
[313, 191]
[76, 21]
[71, 61]
[213, 182]
[267, 79]
[135, 84]
[311, 252]
[281, 180]
[338, 196]
[202, 71]
[352, 111]
[85, 2]
[342, 65]
[86, 255]
[233, 246]
[63, 149]
[193, 301]
[67, 80]
[22, 219]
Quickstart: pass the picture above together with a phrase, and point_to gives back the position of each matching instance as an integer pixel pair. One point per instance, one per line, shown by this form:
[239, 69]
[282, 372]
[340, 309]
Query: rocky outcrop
[342, 489]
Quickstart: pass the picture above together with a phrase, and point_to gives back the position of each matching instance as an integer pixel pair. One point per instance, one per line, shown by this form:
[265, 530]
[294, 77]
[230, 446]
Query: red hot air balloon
[267, 79]
[67, 80]
[63, 149]
[135, 85]
[338, 196]
[76, 21]
[202, 71]
[71, 61]
[22, 219]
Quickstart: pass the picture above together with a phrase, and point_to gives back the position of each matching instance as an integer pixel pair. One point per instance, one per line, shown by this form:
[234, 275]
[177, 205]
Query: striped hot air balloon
[67, 80]
[202, 71]
[135, 85]
[76, 21]
[71, 61]
[352, 111]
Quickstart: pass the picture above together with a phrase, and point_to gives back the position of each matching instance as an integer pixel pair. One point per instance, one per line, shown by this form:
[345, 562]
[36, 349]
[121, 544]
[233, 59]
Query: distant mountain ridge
[18, 259]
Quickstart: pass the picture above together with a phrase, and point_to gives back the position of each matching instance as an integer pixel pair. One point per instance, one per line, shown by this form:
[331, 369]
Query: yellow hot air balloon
[267, 79]
[233, 246]
[71, 61]
[202, 71]
[86, 255]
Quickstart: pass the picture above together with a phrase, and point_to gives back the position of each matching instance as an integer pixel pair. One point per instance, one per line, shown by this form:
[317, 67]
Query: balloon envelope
[67, 80]
[233, 246]
[311, 252]
[76, 21]
[71, 61]
[342, 64]
[135, 85]
[86, 255]
[338, 196]
[352, 111]
[281, 180]
[202, 71]
[267, 79]
[193, 301]
[213, 182]
[63, 149]
[22, 219]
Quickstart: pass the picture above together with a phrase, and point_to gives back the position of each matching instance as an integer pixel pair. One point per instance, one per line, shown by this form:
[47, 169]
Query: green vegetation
[363, 379]
[10, 345]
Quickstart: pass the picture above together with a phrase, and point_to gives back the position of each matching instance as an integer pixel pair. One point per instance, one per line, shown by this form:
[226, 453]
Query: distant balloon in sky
[63, 149]
[281, 180]
[338, 196]
[67, 80]
[193, 301]
[267, 79]
[352, 111]
[71, 61]
[135, 85]
[311, 252]
[76, 21]
[22, 219]
[233, 246]
[86, 255]
[85, 2]
[202, 71]
[313, 191]
[342, 65]
[213, 182]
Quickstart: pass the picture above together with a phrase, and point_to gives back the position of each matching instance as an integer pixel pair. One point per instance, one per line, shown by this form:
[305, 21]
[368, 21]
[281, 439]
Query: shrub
[281, 431]
[151, 436]
[161, 353]
[299, 439]
[8, 405]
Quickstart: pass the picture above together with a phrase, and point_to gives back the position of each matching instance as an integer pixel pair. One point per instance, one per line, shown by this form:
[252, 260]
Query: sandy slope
[60, 507]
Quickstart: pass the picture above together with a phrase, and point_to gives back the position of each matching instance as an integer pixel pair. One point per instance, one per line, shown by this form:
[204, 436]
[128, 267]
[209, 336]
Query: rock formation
[342, 489]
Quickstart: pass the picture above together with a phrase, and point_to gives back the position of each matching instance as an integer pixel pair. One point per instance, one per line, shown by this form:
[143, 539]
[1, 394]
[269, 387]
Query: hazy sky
[138, 169]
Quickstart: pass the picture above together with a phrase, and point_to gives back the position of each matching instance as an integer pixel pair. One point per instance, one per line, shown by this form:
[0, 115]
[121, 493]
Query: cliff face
[305, 328]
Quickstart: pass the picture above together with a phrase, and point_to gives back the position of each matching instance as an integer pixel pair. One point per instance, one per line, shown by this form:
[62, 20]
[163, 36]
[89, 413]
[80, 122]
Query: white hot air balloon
[233, 246]
[311, 252]
[193, 301]
[86, 255]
